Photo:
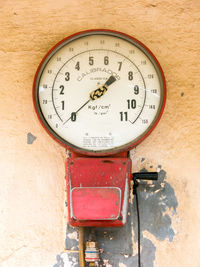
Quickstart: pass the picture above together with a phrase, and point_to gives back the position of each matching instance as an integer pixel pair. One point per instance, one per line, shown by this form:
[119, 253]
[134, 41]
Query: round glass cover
[99, 92]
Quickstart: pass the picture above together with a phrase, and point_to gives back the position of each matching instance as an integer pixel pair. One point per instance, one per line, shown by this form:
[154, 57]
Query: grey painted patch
[74, 259]
[71, 243]
[118, 247]
[67, 259]
[147, 256]
[154, 201]
[60, 262]
[143, 159]
[182, 94]
[30, 138]
[116, 243]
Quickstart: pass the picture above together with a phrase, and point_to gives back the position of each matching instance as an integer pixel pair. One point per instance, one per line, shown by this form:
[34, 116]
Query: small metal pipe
[81, 247]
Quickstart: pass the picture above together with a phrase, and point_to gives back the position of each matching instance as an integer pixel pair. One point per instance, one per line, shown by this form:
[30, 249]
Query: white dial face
[99, 92]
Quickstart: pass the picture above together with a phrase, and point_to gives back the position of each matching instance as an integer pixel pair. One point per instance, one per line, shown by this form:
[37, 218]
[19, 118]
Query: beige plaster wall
[32, 185]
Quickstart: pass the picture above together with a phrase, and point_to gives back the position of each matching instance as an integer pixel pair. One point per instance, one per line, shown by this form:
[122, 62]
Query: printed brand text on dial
[93, 70]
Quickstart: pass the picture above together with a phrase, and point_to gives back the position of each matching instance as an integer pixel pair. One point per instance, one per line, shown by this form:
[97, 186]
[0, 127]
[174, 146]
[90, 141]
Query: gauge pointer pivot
[99, 92]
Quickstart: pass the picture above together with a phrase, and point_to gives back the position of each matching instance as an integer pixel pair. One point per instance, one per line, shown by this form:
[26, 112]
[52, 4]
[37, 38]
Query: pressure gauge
[99, 92]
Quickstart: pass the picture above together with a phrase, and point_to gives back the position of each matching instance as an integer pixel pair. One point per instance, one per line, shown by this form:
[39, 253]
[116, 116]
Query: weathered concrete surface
[32, 194]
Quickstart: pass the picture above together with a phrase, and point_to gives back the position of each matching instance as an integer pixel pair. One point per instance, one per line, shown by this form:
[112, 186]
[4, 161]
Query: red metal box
[98, 191]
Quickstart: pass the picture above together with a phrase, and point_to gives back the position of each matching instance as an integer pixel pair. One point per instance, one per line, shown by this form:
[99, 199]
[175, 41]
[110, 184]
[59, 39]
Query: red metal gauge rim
[112, 151]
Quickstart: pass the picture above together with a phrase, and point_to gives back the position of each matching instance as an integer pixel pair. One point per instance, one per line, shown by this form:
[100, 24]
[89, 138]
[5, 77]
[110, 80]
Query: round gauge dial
[99, 92]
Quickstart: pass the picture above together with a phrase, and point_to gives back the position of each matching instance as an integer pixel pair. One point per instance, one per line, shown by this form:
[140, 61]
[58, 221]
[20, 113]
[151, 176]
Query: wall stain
[30, 138]
[157, 203]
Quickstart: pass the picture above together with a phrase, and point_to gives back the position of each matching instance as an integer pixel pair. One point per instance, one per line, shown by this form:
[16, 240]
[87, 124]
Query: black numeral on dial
[91, 61]
[136, 89]
[123, 116]
[62, 90]
[63, 105]
[130, 75]
[106, 60]
[152, 106]
[131, 103]
[120, 65]
[145, 121]
[67, 76]
[73, 116]
[77, 66]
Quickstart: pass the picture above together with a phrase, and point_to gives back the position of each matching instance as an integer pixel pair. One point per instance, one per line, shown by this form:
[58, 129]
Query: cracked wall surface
[33, 215]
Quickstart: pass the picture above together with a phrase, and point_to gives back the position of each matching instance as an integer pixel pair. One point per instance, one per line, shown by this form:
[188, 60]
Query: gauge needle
[96, 94]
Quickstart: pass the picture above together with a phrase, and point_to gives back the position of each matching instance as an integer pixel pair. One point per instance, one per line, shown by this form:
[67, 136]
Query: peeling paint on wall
[157, 204]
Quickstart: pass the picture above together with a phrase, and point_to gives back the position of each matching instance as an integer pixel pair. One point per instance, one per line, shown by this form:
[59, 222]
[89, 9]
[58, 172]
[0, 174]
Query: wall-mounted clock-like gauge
[99, 92]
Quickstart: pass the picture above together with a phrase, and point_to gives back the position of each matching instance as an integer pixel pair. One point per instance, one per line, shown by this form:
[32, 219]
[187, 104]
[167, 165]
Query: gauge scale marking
[99, 92]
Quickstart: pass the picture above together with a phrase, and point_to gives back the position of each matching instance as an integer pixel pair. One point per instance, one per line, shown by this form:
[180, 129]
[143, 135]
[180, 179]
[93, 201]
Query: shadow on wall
[156, 200]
